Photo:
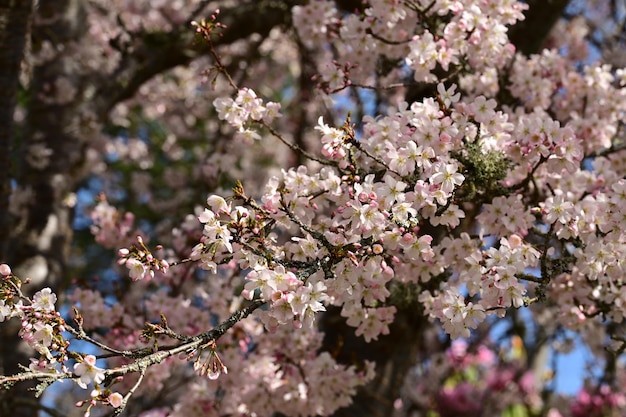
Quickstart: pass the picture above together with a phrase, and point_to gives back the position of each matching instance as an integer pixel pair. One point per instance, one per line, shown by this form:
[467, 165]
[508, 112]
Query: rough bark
[41, 237]
[14, 18]
[14, 23]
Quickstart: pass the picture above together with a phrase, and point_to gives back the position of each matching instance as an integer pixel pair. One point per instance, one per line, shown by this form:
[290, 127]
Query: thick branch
[191, 345]
[150, 359]
[155, 53]
[529, 35]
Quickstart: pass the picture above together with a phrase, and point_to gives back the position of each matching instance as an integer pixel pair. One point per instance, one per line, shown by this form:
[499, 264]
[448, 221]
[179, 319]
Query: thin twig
[81, 335]
[297, 148]
[130, 393]
[149, 357]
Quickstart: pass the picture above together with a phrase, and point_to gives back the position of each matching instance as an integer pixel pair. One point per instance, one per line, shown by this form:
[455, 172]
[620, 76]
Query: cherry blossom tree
[306, 208]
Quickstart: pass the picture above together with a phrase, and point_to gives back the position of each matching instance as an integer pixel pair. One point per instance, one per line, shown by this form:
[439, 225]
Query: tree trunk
[14, 21]
[15, 16]
[394, 355]
[50, 149]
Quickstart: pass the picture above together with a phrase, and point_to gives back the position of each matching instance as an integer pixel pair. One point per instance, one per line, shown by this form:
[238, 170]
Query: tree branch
[528, 35]
[154, 53]
[150, 359]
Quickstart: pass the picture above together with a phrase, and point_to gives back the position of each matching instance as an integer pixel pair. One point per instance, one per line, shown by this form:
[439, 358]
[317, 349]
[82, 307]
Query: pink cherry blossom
[87, 371]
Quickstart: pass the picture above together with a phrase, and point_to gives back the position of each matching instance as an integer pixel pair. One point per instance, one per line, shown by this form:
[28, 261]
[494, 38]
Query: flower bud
[5, 269]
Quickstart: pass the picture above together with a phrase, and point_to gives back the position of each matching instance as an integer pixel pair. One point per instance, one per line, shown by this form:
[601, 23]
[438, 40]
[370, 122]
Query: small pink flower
[116, 400]
[88, 371]
[43, 333]
[44, 300]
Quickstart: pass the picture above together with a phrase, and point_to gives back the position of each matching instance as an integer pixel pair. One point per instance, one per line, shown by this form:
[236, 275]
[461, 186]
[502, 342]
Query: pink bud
[515, 241]
[5, 269]
[116, 399]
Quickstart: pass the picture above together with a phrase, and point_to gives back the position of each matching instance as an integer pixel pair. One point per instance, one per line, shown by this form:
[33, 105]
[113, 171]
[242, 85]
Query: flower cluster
[482, 181]
[110, 228]
[480, 378]
[42, 327]
[208, 363]
[245, 109]
[140, 261]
